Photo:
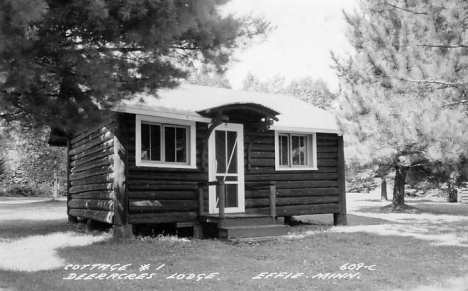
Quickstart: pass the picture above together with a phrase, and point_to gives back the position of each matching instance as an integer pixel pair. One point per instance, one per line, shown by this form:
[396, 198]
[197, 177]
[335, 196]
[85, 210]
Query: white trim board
[192, 153]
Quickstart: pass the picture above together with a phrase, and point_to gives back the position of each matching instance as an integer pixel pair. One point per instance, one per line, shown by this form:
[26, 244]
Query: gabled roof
[188, 101]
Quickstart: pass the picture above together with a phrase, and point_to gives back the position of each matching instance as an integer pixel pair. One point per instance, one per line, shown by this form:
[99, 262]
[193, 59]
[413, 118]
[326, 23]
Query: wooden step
[247, 221]
[253, 231]
[240, 219]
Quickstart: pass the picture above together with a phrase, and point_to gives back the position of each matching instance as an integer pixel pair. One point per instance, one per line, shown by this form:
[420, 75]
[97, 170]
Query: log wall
[463, 195]
[91, 177]
[167, 195]
[158, 195]
[163, 195]
[298, 192]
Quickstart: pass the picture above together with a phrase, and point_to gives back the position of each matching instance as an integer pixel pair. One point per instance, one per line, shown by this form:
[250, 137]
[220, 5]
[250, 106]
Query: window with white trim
[295, 151]
[164, 142]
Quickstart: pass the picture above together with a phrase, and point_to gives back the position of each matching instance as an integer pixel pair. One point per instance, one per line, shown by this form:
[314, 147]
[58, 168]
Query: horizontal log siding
[91, 173]
[163, 195]
[298, 192]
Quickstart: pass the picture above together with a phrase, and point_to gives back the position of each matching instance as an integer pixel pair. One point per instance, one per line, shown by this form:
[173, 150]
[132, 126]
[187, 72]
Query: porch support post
[201, 209]
[341, 218]
[214, 123]
[273, 199]
[221, 187]
[198, 232]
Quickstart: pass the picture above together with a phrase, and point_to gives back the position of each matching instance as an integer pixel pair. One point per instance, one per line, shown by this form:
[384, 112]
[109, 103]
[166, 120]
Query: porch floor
[231, 215]
[245, 225]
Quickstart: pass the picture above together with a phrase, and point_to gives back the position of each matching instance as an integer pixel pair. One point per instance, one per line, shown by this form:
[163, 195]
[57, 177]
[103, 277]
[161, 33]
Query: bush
[360, 180]
[24, 191]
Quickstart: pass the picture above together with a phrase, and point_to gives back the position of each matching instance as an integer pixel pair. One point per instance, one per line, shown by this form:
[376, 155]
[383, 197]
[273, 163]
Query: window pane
[231, 195]
[299, 150]
[283, 150]
[304, 150]
[181, 142]
[170, 144]
[232, 151]
[220, 145]
[295, 150]
[155, 143]
[231, 199]
[145, 141]
[165, 143]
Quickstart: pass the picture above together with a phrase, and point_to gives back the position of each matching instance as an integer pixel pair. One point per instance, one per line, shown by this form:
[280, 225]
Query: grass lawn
[424, 250]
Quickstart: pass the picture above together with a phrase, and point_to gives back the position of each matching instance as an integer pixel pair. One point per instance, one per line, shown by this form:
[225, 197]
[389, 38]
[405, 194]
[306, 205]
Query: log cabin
[200, 157]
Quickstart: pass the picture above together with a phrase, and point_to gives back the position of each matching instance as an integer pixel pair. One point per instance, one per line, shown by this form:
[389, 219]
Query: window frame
[163, 122]
[311, 151]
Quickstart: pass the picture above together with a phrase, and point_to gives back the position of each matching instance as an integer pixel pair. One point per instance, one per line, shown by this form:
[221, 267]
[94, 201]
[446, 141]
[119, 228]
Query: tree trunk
[383, 188]
[399, 188]
[452, 192]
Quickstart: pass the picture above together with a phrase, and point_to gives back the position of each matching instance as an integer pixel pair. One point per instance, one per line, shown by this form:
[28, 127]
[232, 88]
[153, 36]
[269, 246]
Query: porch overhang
[258, 116]
[246, 111]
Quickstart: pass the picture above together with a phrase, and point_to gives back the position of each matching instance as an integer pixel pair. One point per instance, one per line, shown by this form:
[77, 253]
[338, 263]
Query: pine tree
[62, 62]
[274, 85]
[405, 85]
[2, 165]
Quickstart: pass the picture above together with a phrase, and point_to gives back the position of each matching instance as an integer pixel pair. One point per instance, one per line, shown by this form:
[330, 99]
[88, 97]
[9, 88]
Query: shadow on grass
[416, 200]
[421, 208]
[35, 212]
[32, 245]
[14, 229]
[39, 252]
[386, 209]
[31, 203]
[443, 208]
[440, 223]
[374, 200]
[322, 222]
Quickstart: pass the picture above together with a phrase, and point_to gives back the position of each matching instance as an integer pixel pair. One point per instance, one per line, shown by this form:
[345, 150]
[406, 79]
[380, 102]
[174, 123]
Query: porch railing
[221, 193]
[272, 187]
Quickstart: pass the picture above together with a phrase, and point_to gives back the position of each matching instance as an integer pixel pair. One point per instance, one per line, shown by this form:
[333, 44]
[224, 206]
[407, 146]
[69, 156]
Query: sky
[306, 31]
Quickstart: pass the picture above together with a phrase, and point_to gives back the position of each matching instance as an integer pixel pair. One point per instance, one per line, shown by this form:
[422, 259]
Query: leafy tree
[63, 61]
[211, 79]
[274, 85]
[27, 150]
[313, 91]
[405, 86]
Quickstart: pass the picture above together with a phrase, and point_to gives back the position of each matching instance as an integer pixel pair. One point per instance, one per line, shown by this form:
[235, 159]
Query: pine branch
[184, 48]
[419, 165]
[448, 46]
[406, 9]
[456, 103]
[119, 49]
[9, 116]
[431, 81]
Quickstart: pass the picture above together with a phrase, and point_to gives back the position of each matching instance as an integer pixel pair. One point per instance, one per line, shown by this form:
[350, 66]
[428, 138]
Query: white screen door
[226, 163]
